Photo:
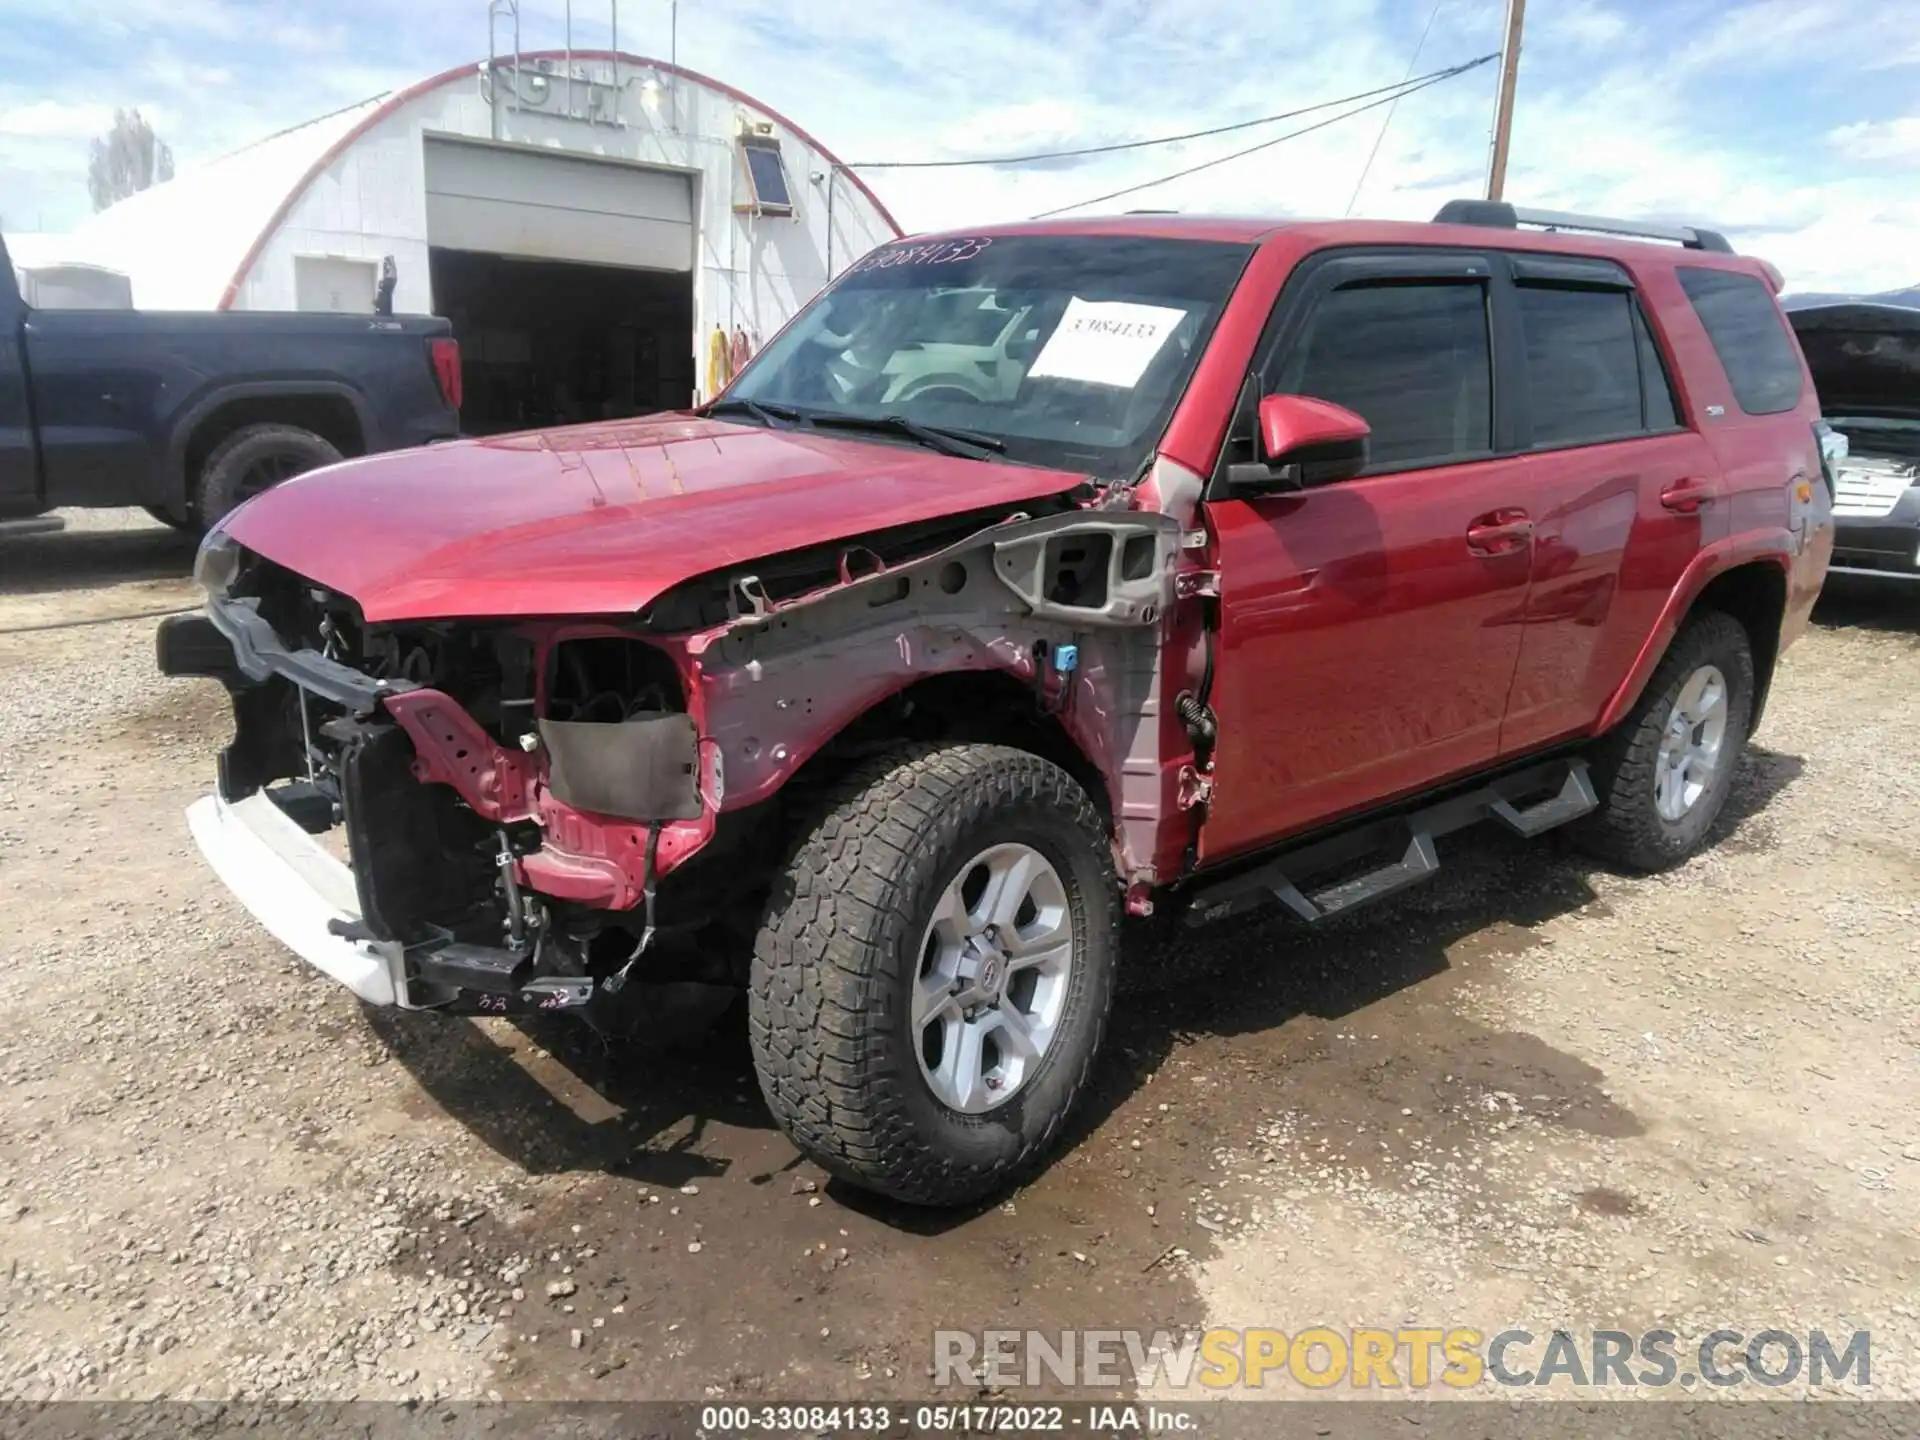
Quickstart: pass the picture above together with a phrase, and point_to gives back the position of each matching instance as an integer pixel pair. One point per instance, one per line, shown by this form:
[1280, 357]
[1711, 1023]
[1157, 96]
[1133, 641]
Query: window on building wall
[765, 175]
[331, 282]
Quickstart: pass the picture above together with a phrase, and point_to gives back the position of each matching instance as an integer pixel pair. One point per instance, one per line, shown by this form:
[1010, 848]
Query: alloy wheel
[995, 965]
[1693, 744]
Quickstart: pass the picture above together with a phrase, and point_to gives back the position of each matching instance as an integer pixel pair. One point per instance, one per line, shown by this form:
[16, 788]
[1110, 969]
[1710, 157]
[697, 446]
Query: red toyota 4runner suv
[1159, 565]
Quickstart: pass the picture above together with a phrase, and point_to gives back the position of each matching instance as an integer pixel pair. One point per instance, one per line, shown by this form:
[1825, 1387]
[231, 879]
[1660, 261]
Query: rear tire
[850, 1008]
[1663, 773]
[255, 458]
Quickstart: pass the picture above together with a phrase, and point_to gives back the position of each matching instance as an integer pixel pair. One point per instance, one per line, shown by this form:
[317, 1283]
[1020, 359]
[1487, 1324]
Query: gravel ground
[1682, 1102]
[1532, 1093]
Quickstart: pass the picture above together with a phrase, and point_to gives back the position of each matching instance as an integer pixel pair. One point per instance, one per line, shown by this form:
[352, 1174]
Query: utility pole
[1503, 106]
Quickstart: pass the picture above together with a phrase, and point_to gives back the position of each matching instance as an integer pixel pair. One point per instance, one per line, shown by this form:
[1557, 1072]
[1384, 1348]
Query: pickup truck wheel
[255, 458]
[1664, 772]
[934, 971]
[183, 523]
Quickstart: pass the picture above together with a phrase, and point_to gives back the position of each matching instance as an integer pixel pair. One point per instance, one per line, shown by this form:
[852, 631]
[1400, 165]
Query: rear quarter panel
[1769, 466]
[1777, 508]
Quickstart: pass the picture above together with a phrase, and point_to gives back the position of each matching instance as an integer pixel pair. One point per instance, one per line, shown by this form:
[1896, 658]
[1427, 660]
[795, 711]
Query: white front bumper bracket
[295, 889]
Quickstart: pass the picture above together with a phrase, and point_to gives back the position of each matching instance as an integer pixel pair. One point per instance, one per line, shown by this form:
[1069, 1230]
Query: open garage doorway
[568, 280]
[549, 342]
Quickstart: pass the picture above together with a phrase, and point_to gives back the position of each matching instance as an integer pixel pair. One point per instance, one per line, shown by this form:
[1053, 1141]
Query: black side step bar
[1576, 798]
[1528, 802]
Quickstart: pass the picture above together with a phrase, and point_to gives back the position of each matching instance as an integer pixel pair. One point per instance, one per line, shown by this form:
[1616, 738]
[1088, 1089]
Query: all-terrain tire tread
[1627, 830]
[214, 492]
[820, 991]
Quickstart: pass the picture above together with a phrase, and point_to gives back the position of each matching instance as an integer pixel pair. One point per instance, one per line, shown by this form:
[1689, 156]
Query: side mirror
[1303, 441]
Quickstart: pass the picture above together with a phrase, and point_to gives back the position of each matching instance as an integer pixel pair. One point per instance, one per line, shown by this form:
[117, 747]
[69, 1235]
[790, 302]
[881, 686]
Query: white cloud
[1885, 59]
[1669, 111]
[1778, 34]
[141, 18]
[1614, 116]
[56, 120]
[1879, 139]
[1584, 25]
[1023, 128]
[1857, 246]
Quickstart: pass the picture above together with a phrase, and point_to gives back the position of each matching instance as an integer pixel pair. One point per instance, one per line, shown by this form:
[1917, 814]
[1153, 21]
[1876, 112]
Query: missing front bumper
[303, 895]
[308, 901]
[442, 819]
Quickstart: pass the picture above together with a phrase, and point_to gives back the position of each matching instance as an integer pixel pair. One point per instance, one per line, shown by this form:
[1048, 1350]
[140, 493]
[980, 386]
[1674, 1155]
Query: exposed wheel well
[984, 706]
[727, 880]
[1756, 596]
[331, 417]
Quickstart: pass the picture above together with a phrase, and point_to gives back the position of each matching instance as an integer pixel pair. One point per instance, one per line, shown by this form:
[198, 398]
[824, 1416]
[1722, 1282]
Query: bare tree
[126, 160]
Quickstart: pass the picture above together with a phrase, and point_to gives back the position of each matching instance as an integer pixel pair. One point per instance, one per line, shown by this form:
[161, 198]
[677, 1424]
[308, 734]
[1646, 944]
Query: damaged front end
[498, 816]
[502, 797]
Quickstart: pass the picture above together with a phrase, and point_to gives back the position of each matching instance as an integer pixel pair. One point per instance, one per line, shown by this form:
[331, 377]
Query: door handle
[1688, 496]
[1500, 532]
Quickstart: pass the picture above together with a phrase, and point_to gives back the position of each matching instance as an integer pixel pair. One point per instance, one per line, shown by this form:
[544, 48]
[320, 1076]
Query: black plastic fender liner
[646, 769]
[266, 742]
[422, 862]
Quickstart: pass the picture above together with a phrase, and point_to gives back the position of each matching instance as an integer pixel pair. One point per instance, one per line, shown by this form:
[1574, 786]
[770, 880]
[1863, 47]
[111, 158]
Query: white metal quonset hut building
[588, 220]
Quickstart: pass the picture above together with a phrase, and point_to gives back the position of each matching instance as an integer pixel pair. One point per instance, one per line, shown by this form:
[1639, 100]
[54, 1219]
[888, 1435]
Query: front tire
[934, 971]
[1664, 772]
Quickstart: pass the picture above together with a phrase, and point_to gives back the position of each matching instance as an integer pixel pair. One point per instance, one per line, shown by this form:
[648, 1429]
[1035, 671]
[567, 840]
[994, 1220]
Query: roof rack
[1499, 215]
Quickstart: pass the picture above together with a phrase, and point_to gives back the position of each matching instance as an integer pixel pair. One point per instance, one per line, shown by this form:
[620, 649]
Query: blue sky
[1794, 126]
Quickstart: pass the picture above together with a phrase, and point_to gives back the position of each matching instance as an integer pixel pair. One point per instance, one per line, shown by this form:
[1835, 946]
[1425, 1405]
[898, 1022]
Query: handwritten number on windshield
[939, 252]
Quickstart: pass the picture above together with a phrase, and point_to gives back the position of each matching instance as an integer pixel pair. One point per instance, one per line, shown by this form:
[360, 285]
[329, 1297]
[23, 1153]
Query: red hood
[599, 519]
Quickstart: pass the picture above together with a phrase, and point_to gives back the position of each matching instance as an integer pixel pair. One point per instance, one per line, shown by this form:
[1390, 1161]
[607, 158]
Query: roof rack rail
[1499, 215]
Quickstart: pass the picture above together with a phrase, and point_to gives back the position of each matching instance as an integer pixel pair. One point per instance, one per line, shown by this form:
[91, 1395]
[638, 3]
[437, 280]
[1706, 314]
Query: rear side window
[1583, 365]
[1412, 359]
[1749, 336]
[1663, 413]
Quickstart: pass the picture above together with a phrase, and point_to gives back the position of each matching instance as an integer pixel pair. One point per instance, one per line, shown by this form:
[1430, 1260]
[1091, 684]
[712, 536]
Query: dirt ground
[1532, 1093]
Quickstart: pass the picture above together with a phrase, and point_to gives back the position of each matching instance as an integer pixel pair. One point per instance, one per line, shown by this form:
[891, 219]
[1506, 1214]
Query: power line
[1387, 124]
[1144, 144]
[1399, 92]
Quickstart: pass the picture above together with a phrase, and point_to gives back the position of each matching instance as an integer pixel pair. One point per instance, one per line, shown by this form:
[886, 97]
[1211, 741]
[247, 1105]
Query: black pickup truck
[190, 414]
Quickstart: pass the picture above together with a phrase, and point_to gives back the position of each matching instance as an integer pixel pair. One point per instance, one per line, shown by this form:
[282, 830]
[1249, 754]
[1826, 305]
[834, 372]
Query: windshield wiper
[967, 444]
[774, 417]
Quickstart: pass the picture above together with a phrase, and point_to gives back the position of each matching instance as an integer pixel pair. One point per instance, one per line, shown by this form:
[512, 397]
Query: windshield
[1069, 350]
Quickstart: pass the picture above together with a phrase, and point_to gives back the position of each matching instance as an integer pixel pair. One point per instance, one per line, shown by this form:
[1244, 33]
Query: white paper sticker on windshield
[1106, 342]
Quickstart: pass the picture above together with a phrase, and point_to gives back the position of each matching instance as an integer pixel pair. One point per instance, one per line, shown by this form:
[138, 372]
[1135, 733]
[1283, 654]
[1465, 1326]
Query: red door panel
[1607, 552]
[1367, 643]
